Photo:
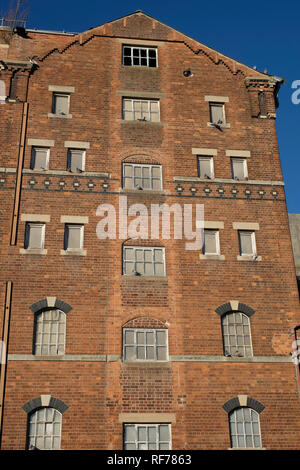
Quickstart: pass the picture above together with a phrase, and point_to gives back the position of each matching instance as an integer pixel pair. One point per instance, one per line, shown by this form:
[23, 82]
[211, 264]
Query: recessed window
[147, 437]
[34, 236]
[247, 243]
[236, 335]
[211, 242]
[244, 428]
[60, 103]
[143, 261]
[76, 160]
[74, 234]
[44, 429]
[140, 56]
[239, 168]
[145, 344]
[140, 110]
[39, 158]
[50, 332]
[137, 176]
[205, 167]
[217, 113]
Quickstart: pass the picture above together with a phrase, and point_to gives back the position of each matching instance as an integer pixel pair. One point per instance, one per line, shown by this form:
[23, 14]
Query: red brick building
[142, 343]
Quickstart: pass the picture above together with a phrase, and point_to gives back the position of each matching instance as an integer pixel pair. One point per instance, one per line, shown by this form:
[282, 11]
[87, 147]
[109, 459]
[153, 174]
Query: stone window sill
[249, 258]
[142, 191]
[33, 251]
[78, 252]
[142, 123]
[213, 257]
[224, 126]
[60, 116]
[145, 278]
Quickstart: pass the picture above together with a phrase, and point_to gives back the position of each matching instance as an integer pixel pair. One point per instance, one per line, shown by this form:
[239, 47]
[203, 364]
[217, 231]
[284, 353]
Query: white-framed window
[143, 261]
[135, 109]
[147, 436]
[205, 167]
[217, 113]
[245, 428]
[140, 176]
[44, 429]
[211, 242]
[141, 344]
[247, 243]
[74, 236]
[39, 158]
[60, 103]
[236, 335]
[239, 168]
[34, 235]
[139, 55]
[50, 332]
[76, 160]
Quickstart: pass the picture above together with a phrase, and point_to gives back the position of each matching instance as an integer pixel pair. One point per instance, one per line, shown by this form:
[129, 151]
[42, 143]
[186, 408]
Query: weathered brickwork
[92, 378]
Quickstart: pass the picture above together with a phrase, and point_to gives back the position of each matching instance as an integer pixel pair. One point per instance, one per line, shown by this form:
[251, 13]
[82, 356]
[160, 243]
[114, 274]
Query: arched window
[244, 428]
[236, 334]
[50, 332]
[44, 429]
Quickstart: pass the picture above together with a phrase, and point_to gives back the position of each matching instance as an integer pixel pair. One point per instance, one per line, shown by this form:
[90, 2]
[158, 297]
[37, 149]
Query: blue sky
[265, 34]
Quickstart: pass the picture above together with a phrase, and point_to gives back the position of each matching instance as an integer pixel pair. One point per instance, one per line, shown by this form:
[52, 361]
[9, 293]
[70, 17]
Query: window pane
[161, 353]
[61, 104]
[161, 337]
[217, 113]
[129, 337]
[210, 241]
[150, 352]
[40, 157]
[246, 243]
[35, 236]
[141, 352]
[142, 433]
[76, 161]
[238, 168]
[205, 167]
[74, 236]
[164, 432]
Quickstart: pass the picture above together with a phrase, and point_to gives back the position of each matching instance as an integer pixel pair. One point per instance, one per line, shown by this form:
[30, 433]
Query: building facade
[115, 341]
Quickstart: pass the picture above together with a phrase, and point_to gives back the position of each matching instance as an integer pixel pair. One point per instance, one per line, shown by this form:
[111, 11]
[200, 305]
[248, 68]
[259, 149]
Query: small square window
[205, 167]
[140, 56]
[60, 103]
[145, 344]
[247, 243]
[239, 168]
[40, 158]
[217, 114]
[76, 160]
[74, 237]
[34, 236]
[211, 242]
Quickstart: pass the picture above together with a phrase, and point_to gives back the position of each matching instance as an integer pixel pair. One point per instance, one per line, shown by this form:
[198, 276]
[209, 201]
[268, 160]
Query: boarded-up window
[60, 104]
[247, 242]
[147, 436]
[239, 168]
[217, 113]
[145, 344]
[74, 237]
[211, 242]
[39, 158]
[205, 167]
[34, 236]
[76, 160]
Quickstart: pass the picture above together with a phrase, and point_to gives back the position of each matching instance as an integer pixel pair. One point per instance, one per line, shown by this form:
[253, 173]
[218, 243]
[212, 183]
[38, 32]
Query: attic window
[140, 56]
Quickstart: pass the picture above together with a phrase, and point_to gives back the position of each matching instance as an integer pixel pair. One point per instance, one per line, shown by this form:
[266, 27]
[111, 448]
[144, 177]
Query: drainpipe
[296, 354]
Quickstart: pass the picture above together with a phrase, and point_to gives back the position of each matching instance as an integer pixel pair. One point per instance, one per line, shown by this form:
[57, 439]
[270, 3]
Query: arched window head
[244, 428]
[50, 332]
[236, 334]
[44, 429]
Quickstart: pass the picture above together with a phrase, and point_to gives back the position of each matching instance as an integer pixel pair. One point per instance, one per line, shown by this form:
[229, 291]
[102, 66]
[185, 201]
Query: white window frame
[253, 243]
[136, 442]
[148, 248]
[27, 234]
[217, 240]
[40, 320]
[211, 161]
[244, 160]
[228, 352]
[149, 101]
[155, 345]
[54, 95]
[219, 105]
[242, 423]
[34, 424]
[69, 155]
[139, 48]
[142, 165]
[81, 232]
[33, 157]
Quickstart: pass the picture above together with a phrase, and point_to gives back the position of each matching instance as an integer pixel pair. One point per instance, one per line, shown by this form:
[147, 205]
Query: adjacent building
[157, 341]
